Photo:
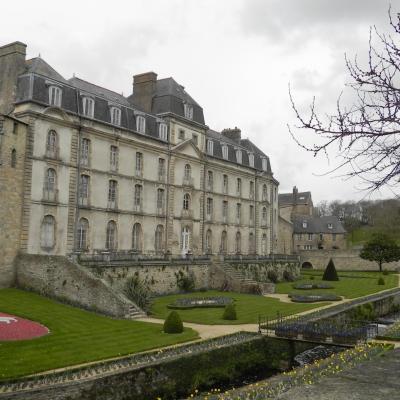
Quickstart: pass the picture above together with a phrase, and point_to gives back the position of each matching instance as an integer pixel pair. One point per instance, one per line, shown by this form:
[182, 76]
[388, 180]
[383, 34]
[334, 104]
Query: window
[112, 194]
[264, 244]
[209, 208]
[251, 214]
[137, 237]
[185, 239]
[208, 246]
[141, 124]
[84, 190]
[51, 144]
[15, 128]
[161, 169]
[195, 139]
[299, 236]
[225, 151]
[304, 224]
[55, 96]
[111, 236]
[88, 107]
[264, 216]
[307, 247]
[163, 131]
[210, 147]
[115, 116]
[113, 158]
[47, 232]
[239, 156]
[139, 164]
[251, 243]
[310, 236]
[239, 187]
[210, 180]
[330, 226]
[160, 199]
[181, 134]
[187, 173]
[49, 192]
[265, 192]
[13, 162]
[188, 110]
[223, 242]
[85, 149]
[251, 190]
[334, 237]
[186, 201]
[321, 236]
[225, 184]
[82, 234]
[251, 160]
[238, 212]
[264, 164]
[137, 199]
[158, 239]
[225, 210]
[275, 194]
[238, 243]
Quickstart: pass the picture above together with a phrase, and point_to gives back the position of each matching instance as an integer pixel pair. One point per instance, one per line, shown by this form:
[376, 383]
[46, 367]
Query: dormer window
[163, 131]
[330, 226]
[55, 93]
[239, 156]
[251, 160]
[141, 124]
[88, 107]
[188, 109]
[210, 147]
[264, 164]
[115, 116]
[304, 224]
[225, 151]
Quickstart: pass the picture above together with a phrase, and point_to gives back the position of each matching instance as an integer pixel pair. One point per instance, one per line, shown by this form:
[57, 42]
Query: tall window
[137, 237]
[239, 187]
[50, 185]
[160, 199]
[265, 192]
[13, 162]
[225, 151]
[251, 160]
[187, 172]
[251, 243]
[141, 124]
[115, 115]
[188, 109]
[138, 197]
[161, 169]
[55, 96]
[225, 184]
[210, 147]
[224, 244]
[209, 208]
[88, 107]
[210, 180]
[251, 214]
[51, 144]
[112, 194]
[84, 189]
[111, 236]
[251, 190]
[238, 242]
[139, 164]
[47, 232]
[82, 234]
[208, 242]
[225, 210]
[159, 238]
[186, 201]
[264, 244]
[163, 131]
[264, 216]
[181, 134]
[310, 236]
[238, 213]
[195, 139]
[185, 239]
[239, 156]
[85, 151]
[113, 158]
[265, 164]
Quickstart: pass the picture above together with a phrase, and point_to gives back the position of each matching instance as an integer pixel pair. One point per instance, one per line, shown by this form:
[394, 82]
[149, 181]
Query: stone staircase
[135, 312]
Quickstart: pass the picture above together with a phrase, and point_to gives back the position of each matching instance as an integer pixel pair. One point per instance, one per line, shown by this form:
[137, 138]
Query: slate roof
[285, 199]
[317, 224]
[39, 66]
[169, 87]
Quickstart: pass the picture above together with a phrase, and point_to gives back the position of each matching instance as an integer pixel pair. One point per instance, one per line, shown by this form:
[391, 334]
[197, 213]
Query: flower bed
[16, 328]
[310, 286]
[313, 298]
[187, 303]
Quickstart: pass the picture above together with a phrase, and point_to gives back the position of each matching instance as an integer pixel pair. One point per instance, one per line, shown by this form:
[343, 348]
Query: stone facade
[285, 243]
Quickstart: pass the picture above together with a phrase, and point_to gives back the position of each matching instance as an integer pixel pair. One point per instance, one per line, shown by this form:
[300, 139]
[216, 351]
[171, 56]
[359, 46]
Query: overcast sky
[235, 58]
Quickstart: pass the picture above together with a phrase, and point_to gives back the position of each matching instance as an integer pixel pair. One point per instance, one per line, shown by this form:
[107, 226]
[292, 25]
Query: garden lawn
[351, 284]
[248, 308]
[76, 336]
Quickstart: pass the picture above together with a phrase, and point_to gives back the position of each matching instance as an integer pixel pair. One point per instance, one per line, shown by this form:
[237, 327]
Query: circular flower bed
[200, 302]
[16, 328]
[310, 286]
[313, 298]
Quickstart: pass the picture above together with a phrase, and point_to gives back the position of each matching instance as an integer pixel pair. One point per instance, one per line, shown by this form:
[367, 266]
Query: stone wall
[343, 259]
[59, 278]
[285, 236]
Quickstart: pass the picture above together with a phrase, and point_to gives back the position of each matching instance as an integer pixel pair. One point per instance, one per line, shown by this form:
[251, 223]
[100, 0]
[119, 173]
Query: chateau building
[143, 173]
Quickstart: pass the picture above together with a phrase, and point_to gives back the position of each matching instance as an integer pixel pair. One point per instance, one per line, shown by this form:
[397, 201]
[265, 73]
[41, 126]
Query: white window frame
[163, 131]
[139, 164]
[114, 152]
[305, 224]
[188, 110]
[239, 156]
[141, 124]
[251, 160]
[264, 164]
[115, 113]
[210, 147]
[225, 152]
[85, 151]
[55, 95]
[330, 225]
[88, 106]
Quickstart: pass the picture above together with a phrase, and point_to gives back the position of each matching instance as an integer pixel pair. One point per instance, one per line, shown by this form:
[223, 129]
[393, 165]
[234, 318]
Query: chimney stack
[233, 134]
[12, 64]
[144, 89]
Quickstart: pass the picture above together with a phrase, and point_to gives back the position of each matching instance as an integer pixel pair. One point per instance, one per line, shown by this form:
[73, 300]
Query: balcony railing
[83, 201]
[50, 195]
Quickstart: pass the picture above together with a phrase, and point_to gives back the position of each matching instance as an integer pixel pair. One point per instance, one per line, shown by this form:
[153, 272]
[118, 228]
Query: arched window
[160, 199]
[264, 244]
[251, 243]
[112, 193]
[186, 201]
[50, 182]
[238, 242]
[111, 236]
[208, 242]
[13, 162]
[223, 242]
[51, 144]
[137, 237]
[264, 192]
[159, 238]
[82, 234]
[47, 232]
[264, 216]
[188, 172]
[185, 240]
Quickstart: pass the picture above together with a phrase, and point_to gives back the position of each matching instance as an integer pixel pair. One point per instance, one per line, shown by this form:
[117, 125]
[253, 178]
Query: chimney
[295, 193]
[144, 89]
[233, 134]
[12, 64]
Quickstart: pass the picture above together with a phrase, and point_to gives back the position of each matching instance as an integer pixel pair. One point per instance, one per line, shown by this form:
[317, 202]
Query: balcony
[188, 181]
[83, 201]
[138, 208]
[50, 195]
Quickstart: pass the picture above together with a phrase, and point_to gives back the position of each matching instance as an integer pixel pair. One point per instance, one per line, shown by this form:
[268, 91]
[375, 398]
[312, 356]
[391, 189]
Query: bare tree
[367, 133]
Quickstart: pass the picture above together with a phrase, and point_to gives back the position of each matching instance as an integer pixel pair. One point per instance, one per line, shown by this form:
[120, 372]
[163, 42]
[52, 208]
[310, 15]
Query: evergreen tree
[330, 273]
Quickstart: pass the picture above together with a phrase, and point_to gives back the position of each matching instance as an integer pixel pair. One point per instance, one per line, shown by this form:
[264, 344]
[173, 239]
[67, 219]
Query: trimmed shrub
[173, 323]
[185, 282]
[381, 281]
[272, 276]
[229, 313]
[330, 273]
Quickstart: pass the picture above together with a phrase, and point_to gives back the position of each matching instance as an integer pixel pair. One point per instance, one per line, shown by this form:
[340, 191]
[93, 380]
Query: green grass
[248, 308]
[76, 336]
[351, 284]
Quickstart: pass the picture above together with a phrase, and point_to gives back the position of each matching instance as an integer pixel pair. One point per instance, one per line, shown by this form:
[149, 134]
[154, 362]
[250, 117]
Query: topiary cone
[173, 323]
[330, 273]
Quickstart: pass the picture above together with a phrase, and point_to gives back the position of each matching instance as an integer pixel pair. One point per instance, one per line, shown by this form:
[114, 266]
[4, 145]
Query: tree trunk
[380, 266]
